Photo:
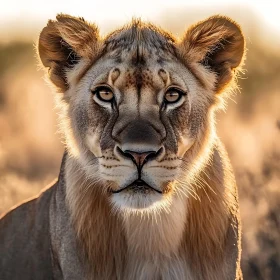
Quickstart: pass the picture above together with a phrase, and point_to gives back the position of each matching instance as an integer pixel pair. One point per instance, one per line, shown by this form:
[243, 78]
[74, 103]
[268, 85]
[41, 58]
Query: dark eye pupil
[104, 94]
[172, 96]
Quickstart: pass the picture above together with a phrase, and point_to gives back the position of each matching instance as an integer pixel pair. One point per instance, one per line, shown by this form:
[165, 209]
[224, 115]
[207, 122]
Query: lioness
[145, 189]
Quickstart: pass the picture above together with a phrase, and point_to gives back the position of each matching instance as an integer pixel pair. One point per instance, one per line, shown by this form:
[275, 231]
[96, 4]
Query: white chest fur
[154, 241]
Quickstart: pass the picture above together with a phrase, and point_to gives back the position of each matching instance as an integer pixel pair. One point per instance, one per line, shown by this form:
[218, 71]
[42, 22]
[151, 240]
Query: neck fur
[161, 245]
[129, 242]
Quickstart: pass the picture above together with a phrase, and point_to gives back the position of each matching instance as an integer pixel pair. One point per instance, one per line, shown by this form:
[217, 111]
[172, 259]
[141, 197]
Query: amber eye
[173, 95]
[104, 93]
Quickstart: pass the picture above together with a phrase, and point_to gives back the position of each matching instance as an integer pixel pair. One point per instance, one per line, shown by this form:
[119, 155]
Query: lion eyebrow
[113, 75]
[164, 76]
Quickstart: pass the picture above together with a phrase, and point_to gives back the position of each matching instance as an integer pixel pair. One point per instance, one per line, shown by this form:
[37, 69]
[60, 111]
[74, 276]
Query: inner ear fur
[63, 42]
[218, 44]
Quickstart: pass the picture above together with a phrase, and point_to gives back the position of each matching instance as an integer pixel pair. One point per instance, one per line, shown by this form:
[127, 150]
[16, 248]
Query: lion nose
[140, 158]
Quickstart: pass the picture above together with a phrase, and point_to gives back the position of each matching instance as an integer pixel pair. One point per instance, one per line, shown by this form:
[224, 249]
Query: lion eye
[104, 94]
[173, 95]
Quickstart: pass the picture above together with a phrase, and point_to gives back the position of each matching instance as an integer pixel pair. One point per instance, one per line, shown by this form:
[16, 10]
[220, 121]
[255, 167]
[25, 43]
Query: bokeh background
[31, 149]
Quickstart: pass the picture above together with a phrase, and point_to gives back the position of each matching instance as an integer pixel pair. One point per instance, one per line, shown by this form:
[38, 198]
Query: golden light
[24, 19]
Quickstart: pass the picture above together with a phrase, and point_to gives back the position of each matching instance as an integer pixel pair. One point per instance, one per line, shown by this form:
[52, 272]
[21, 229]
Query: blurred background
[31, 149]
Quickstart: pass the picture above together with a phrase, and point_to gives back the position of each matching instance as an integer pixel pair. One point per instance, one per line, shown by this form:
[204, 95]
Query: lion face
[136, 126]
[139, 113]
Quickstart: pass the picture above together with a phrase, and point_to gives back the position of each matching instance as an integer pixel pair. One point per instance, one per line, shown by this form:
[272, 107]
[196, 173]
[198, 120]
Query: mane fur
[109, 239]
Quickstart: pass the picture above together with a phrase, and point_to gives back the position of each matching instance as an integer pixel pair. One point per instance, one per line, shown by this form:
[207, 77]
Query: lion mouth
[138, 186]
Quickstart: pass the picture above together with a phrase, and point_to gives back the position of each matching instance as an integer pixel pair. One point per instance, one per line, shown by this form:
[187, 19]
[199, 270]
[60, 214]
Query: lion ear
[218, 44]
[63, 42]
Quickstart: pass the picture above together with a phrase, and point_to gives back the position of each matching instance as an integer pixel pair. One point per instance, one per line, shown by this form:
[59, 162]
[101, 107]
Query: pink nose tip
[140, 158]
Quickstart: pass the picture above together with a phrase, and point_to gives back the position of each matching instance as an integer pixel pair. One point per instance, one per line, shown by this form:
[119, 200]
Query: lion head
[137, 106]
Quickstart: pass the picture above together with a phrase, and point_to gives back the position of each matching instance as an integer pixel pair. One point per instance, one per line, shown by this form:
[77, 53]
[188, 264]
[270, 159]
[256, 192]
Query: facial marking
[184, 144]
[164, 76]
[113, 75]
[93, 143]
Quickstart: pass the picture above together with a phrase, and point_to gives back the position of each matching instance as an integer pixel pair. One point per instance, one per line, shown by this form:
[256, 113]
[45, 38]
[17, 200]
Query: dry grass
[30, 149]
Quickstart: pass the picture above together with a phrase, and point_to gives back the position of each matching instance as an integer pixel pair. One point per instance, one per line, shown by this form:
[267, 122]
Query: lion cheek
[184, 144]
[93, 143]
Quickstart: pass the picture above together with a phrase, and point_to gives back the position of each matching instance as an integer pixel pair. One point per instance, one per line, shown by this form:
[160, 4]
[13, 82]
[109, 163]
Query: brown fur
[219, 44]
[63, 42]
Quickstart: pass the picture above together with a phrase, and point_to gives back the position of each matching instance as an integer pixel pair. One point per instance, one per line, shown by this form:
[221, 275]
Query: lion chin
[140, 197]
[138, 201]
